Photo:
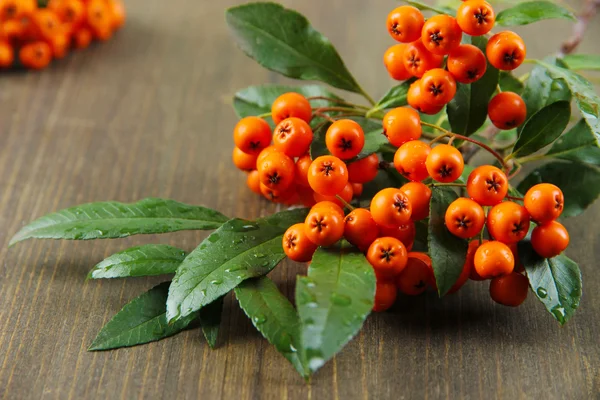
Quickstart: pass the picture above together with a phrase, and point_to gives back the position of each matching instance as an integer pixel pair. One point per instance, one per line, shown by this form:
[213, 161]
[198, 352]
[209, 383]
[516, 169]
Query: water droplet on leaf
[542, 292]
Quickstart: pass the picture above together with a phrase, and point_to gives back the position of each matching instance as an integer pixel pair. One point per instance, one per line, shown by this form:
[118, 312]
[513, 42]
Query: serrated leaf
[447, 251]
[589, 62]
[580, 183]
[578, 144]
[427, 7]
[237, 251]
[210, 321]
[147, 260]
[556, 282]
[543, 128]
[541, 90]
[586, 98]
[111, 219]
[333, 301]
[283, 41]
[274, 316]
[395, 97]
[140, 321]
[257, 100]
[532, 11]
[468, 109]
[509, 83]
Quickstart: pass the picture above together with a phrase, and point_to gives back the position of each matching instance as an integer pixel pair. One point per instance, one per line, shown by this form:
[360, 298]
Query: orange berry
[487, 185]
[345, 139]
[464, 218]
[508, 222]
[416, 100]
[324, 226]
[401, 125]
[509, 290]
[393, 59]
[417, 274]
[357, 189]
[275, 195]
[291, 105]
[409, 160]
[35, 55]
[493, 259]
[445, 163]
[265, 152]
[276, 171]
[441, 34]
[470, 259]
[385, 295]
[296, 244]
[419, 196]
[15, 9]
[346, 195]
[7, 55]
[329, 205]
[506, 50]
[438, 87]
[404, 233]
[99, 19]
[388, 256]
[404, 23]
[549, 239]
[70, 12]
[82, 38]
[544, 202]
[302, 165]
[244, 161]
[363, 170]
[327, 175]
[293, 137]
[418, 60]
[467, 63]
[252, 134]
[507, 110]
[117, 11]
[475, 17]
[391, 208]
[253, 181]
[360, 228]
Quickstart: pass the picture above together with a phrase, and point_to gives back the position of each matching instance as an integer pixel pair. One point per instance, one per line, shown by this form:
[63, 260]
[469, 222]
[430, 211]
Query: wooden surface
[148, 114]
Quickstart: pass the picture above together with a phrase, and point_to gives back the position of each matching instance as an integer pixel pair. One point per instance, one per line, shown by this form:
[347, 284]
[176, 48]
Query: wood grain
[148, 114]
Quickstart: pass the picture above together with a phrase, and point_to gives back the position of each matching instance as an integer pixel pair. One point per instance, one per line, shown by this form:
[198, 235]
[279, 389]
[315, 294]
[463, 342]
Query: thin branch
[588, 12]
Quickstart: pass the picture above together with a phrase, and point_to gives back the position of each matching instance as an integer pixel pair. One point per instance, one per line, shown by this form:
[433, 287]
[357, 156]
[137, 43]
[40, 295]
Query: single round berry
[244, 161]
[507, 110]
[324, 226]
[464, 218]
[345, 139]
[441, 34]
[509, 290]
[416, 276]
[549, 239]
[401, 125]
[291, 105]
[404, 23]
[487, 185]
[391, 208]
[293, 137]
[409, 160]
[276, 171]
[445, 163]
[296, 244]
[252, 134]
[385, 295]
[388, 256]
[418, 60]
[416, 100]
[438, 87]
[544, 202]
[493, 259]
[508, 222]
[360, 229]
[393, 59]
[363, 170]
[506, 50]
[466, 63]
[419, 196]
[475, 17]
[327, 175]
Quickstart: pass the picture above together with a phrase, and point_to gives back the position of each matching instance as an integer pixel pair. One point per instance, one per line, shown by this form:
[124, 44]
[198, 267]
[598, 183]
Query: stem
[516, 171]
[514, 198]
[523, 77]
[486, 147]
[366, 96]
[328, 109]
[440, 137]
[338, 101]
[327, 117]
[439, 128]
[589, 10]
[265, 115]
[344, 202]
[527, 159]
[437, 184]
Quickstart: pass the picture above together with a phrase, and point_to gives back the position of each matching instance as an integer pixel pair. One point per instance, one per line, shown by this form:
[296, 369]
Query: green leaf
[375, 141]
[274, 316]
[586, 98]
[427, 7]
[142, 320]
[210, 321]
[333, 301]
[447, 251]
[395, 97]
[283, 41]
[147, 260]
[237, 251]
[555, 281]
[580, 183]
[509, 83]
[578, 144]
[468, 109]
[541, 89]
[590, 62]
[257, 100]
[318, 147]
[111, 219]
[421, 236]
[532, 11]
[543, 128]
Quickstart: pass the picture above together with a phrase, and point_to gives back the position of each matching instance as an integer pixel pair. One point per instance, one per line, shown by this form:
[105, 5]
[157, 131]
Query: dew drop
[259, 319]
[542, 292]
[559, 312]
[213, 238]
[312, 304]
[260, 255]
[216, 282]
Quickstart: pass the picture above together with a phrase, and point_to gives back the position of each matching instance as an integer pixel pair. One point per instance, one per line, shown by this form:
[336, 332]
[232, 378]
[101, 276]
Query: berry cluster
[281, 169]
[424, 44]
[38, 35]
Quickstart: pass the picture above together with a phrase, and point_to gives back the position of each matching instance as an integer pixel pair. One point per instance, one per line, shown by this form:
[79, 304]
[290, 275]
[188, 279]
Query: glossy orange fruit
[293, 137]
[385, 295]
[445, 163]
[363, 170]
[393, 59]
[438, 87]
[509, 290]
[401, 125]
[418, 60]
[409, 160]
[345, 139]
[360, 228]
[276, 171]
[466, 63]
[507, 110]
[388, 256]
[416, 276]
[464, 218]
[253, 181]
[404, 23]
[252, 134]
[327, 175]
[544, 202]
[296, 244]
[416, 100]
[391, 208]
[419, 196]
[475, 17]
[493, 259]
[549, 239]
[291, 105]
[487, 185]
[441, 34]
[506, 50]
[508, 222]
[324, 226]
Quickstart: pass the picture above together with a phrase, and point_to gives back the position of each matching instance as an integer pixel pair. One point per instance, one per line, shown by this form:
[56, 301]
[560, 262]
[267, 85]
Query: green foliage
[532, 11]
[147, 260]
[111, 219]
[237, 251]
[447, 251]
[468, 109]
[590, 62]
[210, 321]
[556, 282]
[578, 144]
[509, 83]
[283, 41]
[274, 316]
[142, 320]
[395, 97]
[333, 301]
[428, 7]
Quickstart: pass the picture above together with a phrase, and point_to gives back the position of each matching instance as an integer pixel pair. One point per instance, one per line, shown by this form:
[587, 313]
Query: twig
[588, 12]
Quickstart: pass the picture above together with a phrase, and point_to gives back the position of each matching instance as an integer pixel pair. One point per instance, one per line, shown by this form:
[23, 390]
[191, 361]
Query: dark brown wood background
[148, 114]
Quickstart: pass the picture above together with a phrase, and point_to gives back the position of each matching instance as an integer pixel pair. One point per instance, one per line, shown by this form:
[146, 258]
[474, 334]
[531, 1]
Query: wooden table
[148, 114]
